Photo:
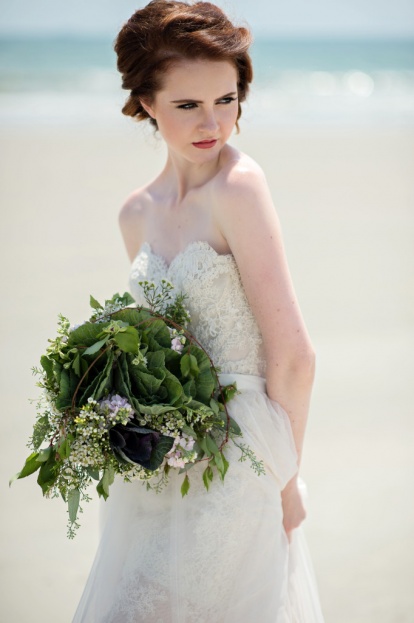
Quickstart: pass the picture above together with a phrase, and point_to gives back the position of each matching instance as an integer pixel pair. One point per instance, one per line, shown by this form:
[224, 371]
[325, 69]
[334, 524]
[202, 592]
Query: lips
[206, 144]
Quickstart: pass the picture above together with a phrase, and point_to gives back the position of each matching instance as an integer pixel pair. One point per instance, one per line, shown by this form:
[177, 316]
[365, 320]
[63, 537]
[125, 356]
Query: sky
[340, 18]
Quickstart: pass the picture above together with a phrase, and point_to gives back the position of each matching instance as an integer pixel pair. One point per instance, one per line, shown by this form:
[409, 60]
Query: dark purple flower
[134, 444]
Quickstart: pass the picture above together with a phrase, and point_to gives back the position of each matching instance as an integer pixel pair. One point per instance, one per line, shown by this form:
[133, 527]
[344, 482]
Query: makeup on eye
[190, 104]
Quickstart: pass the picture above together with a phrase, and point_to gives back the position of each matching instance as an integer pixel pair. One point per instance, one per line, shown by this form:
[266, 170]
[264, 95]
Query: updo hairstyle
[168, 31]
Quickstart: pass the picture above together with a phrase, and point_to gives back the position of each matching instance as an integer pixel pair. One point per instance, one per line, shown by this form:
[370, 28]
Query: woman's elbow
[295, 361]
[304, 361]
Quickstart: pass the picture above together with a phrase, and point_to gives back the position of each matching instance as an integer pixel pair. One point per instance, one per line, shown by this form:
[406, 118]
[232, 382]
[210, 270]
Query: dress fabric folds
[221, 555]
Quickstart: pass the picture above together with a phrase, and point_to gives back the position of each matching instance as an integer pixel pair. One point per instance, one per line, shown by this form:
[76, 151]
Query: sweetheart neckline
[193, 243]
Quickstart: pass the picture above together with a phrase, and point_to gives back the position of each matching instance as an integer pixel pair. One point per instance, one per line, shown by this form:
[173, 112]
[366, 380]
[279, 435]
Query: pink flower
[176, 344]
[174, 461]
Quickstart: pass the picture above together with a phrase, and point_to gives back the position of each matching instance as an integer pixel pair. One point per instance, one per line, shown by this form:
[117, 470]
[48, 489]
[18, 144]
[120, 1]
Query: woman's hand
[293, 510]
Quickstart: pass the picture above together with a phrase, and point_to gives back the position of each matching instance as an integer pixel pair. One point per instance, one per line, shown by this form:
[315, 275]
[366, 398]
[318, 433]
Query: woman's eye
[227, 100]
[191, 105]
[188, 106]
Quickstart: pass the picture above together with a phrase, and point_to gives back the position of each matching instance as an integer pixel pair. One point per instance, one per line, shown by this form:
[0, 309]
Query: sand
[345, 199]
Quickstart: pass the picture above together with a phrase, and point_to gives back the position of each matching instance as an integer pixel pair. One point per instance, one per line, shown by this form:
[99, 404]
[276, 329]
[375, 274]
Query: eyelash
[225, 100]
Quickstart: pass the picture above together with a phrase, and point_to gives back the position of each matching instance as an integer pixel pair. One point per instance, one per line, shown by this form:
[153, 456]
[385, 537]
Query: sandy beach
[345, 197]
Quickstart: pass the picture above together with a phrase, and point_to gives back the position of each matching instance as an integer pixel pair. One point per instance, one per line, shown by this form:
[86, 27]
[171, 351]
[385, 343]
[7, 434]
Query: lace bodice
[221, 318]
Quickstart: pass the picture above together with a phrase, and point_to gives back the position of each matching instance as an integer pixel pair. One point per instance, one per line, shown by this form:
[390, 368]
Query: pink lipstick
[205, 144]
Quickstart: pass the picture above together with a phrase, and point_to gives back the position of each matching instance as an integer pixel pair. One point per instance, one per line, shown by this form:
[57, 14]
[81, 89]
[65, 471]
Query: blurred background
[331, 120]
[329, 63]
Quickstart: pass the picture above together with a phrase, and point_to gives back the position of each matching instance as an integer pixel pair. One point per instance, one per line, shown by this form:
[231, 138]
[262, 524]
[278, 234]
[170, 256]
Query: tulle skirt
[221, 555]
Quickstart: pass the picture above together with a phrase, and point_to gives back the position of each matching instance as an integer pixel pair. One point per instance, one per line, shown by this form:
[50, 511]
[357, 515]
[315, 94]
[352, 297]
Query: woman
[207, 223]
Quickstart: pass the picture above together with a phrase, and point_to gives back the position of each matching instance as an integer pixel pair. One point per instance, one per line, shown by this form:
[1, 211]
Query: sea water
[67, 81]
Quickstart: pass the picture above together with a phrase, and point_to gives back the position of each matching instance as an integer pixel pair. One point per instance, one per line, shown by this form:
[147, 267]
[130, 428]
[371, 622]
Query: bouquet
[129, 392]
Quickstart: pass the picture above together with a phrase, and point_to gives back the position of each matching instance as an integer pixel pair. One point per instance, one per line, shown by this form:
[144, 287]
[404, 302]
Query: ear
[148, 108]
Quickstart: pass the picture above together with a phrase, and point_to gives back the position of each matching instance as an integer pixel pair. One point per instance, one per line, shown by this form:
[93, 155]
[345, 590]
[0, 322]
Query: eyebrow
[191, 101]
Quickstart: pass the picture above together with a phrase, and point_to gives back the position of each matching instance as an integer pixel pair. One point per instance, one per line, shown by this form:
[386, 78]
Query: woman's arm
[247, 219]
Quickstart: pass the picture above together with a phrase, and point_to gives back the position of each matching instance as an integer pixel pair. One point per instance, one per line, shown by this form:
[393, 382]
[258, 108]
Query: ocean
[69, 80]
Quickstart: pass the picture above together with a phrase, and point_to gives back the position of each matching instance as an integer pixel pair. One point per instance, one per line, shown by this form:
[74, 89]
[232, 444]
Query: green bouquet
[129, 392]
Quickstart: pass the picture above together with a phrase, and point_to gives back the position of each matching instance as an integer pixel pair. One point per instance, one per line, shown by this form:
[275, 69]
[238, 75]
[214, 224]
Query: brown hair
[167, 31]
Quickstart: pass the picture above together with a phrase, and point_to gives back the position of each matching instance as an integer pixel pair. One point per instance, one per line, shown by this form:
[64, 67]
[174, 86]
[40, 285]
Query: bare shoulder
[241, 183]
[241, 191]
[134, 206]
[132, 218]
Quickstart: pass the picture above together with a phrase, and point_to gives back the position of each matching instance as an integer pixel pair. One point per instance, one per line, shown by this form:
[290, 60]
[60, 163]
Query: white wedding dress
[220, 556]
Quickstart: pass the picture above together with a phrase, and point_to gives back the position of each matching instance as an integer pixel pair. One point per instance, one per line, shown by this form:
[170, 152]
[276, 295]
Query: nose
[208, 122]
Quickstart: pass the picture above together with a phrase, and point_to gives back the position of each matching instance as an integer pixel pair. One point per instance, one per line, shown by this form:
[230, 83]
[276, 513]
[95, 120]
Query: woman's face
[196, 109]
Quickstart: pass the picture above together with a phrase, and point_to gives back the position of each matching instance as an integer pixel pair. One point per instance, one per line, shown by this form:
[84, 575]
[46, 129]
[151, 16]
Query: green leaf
[31, 465]
[107, 479]
[190, 388]
[86, 334]
[153, 409]
[175, 393]
[128, 340]
[73, 504]
[218, 460]
[204, 380]
[40, 430]
[185, 486]
[151, 382]
[47, 365]
[47, 473]
[121, 380]
[57, 370]
[203, 445]
[76, 365]
[188, 431]
[207, 477]
[105, 379]
[94, 303]
[211, 445]
[89, 390]
[160, 333]
[93, 473]
[226, 464]
[228, 392]
[67, 387]
[95, 347]
[156, 359]
[185, 365]
[44, 454]
[234, 427]
[126, 298]
[197, 449]
[63, 449]
[131, 316]
[123, 368]
[138, 388]
[214, 406]
[194, 366]
[189, 365]
[155, 333]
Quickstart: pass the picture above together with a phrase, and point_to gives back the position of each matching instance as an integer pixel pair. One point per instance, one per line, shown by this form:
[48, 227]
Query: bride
[207, 223]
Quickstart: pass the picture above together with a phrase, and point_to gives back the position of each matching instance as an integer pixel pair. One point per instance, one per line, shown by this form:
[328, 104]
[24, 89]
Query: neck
[183, 176]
